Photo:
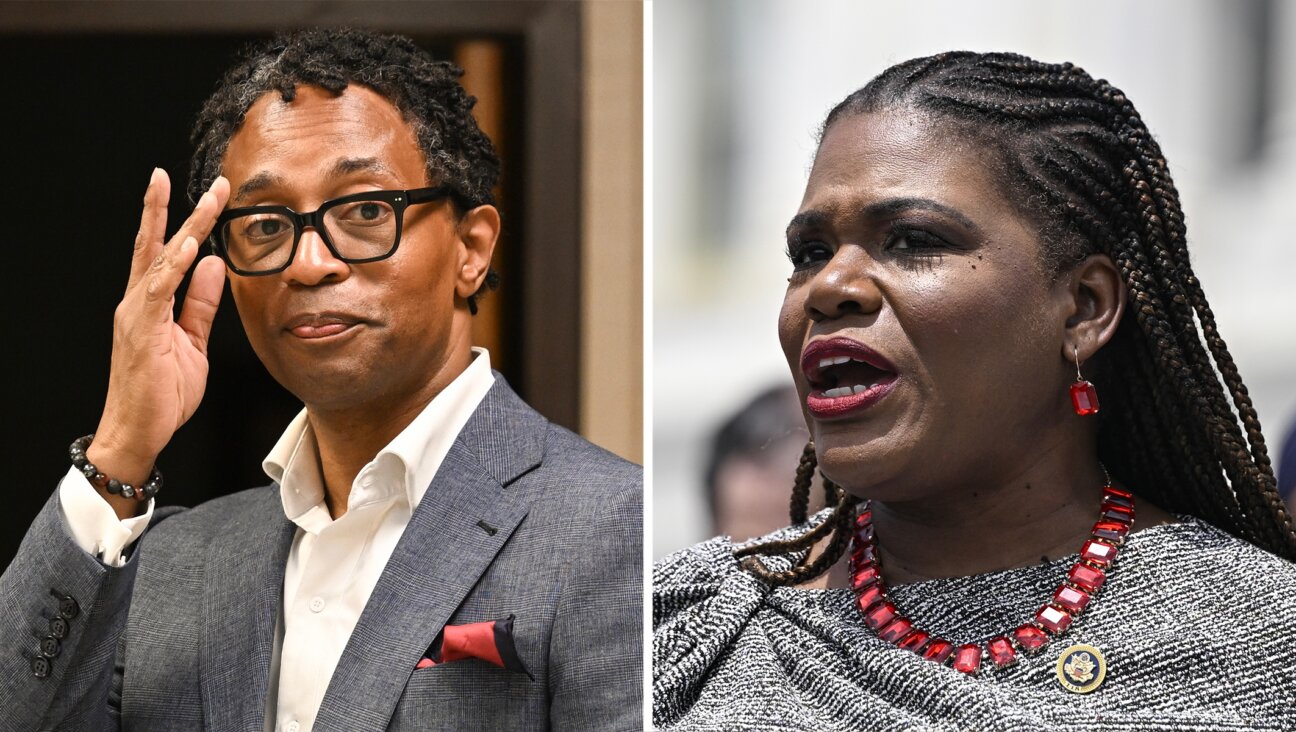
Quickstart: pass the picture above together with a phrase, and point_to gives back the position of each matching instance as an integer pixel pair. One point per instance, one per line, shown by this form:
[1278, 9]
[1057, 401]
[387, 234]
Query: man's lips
[321, 325]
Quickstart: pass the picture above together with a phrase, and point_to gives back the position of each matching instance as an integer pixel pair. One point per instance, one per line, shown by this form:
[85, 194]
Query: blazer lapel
[454, 533]
[245, 568]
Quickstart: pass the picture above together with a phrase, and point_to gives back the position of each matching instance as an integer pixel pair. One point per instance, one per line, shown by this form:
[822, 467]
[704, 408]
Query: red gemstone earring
[1084, 397]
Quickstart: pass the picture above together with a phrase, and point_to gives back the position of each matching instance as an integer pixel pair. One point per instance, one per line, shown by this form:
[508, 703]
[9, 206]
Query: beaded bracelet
[78, 453]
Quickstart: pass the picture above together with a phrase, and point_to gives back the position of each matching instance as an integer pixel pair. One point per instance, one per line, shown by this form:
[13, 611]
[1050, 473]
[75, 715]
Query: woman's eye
[916, 249]
[914, 240]
[805, 254]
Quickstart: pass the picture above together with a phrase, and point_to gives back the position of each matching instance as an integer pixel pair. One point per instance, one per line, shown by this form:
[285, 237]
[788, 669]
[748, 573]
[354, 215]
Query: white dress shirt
[333, 565]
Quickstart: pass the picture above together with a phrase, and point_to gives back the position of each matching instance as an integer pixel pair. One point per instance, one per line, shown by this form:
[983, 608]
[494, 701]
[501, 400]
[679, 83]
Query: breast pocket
[470, 695]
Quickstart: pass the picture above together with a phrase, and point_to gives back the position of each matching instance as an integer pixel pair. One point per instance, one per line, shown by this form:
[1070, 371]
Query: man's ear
[478, 230]
[1095, 301]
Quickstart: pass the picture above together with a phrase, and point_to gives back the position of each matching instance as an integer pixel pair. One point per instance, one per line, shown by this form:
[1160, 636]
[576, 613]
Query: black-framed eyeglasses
[361, 227]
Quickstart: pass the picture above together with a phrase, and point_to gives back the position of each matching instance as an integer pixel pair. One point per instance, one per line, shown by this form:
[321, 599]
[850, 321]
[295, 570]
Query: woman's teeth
[833, 361]
[842, 391]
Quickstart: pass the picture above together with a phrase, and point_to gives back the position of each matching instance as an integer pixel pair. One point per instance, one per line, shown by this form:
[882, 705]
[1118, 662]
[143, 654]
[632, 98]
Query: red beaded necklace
[1115, 519]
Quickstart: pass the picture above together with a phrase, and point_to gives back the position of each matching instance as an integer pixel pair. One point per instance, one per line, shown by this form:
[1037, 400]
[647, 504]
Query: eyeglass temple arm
[462, 203]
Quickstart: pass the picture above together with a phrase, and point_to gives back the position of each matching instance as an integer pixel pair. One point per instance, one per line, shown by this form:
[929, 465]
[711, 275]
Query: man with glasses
[431, 553]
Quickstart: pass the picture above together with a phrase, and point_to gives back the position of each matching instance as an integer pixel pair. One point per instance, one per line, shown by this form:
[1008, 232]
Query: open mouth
[840, 376]
[845, 375]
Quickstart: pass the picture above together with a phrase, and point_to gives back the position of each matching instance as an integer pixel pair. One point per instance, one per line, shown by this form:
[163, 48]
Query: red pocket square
[490, 640]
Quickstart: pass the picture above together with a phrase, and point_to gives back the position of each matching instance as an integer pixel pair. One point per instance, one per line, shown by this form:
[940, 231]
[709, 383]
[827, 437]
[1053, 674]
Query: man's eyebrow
[886, 209]
[258, 182]
[343, 166]
[346, 166]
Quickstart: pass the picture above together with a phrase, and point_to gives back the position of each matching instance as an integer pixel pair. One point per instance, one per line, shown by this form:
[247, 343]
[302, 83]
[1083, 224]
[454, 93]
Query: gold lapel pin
[1081, 668]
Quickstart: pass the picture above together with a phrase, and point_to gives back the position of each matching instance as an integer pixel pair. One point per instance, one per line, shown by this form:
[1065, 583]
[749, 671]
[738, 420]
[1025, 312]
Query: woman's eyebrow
[807, 220]
[893, 206]
[886, 209]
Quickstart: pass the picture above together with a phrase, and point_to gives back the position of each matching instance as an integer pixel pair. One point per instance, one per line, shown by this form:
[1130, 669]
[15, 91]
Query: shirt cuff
[94, 524]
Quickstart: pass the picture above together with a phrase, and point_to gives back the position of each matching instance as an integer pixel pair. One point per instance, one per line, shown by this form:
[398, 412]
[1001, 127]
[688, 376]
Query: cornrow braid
[1073, 153]
[800, 507]
[838, 524]
[426, 92]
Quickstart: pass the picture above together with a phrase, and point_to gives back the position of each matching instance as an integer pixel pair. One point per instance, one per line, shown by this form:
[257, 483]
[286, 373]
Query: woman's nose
[314, 263]
[845, 285]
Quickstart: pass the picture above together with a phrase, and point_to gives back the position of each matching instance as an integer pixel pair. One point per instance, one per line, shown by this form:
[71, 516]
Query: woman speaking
[1044, 473]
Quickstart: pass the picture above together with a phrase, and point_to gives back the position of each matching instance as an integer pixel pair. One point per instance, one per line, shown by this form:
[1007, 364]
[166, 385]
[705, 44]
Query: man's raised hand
[159, 362]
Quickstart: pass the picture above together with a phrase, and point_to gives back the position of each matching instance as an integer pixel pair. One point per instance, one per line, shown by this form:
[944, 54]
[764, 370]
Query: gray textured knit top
[1198, 629]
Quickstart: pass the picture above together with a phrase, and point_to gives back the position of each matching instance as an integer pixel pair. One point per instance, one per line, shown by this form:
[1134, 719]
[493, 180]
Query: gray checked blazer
[524, 518]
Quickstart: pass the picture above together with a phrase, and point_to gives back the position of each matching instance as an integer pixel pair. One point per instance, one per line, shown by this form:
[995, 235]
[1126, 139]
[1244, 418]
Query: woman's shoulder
[704, 563]
[1205, 568]
[690, 580]
[1192, 541]
[702, 601]
[701, 571]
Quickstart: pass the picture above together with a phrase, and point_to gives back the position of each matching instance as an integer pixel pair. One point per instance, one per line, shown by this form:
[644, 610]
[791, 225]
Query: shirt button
[293, 726]
[316, 605]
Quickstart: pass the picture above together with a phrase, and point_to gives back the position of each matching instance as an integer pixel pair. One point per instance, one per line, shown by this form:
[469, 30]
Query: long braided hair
[1077, 157]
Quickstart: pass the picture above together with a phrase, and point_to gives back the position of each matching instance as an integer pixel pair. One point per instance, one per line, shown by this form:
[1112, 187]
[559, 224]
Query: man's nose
[844, 285]
[314, 263]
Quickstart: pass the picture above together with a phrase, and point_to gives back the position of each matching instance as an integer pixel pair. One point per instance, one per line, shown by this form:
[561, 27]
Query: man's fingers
[201, 301]
[200, 222]
[164, 276]
[148, 241]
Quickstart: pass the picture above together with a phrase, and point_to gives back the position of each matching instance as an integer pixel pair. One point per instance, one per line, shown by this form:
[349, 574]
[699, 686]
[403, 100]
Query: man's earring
[1084, 397]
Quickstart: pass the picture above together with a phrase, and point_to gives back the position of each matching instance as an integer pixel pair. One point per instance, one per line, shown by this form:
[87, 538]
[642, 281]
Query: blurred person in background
[1004, 358]
[750, 463]
[752, 460]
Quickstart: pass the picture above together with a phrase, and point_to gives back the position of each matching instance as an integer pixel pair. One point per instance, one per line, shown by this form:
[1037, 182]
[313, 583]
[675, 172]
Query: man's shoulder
[223, 514]
[576, 478]
[579, 459]
[516, 442]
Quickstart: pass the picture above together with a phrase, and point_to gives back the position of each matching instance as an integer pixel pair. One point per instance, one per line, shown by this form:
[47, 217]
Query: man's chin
[326, 388]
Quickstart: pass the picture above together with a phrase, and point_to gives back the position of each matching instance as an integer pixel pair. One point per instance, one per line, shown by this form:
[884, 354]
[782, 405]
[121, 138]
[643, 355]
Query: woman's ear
[1095, 302]
[478, 231]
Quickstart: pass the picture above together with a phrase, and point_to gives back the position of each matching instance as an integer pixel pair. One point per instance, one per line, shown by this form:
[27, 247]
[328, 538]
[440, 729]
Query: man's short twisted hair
[426, 92]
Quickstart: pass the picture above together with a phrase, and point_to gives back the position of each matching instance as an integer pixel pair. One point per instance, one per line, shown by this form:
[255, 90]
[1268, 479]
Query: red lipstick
[845, 377]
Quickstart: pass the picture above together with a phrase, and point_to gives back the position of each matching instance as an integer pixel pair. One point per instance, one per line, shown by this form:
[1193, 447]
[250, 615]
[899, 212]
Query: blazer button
[49, 646]
[68, 607]
[58, 627]
[41, 667]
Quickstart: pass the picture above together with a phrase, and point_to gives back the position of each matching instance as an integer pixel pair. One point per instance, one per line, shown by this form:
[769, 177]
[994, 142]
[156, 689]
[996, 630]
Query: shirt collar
[404, 468]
